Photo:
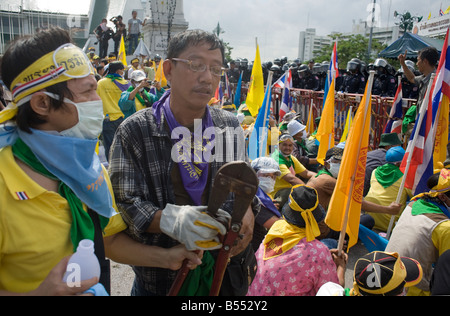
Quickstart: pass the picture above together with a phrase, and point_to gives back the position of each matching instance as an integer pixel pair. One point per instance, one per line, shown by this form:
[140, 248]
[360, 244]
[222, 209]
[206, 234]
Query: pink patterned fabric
[299, 272]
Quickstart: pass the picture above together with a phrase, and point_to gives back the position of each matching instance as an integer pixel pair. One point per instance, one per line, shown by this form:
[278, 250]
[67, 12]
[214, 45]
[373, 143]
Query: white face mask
[90, 119]
[334, 169]
[266, 184]
[140, 90]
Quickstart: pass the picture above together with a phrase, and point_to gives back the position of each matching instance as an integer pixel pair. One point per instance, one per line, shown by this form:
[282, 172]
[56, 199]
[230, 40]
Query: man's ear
[167, 67]
[40, 103]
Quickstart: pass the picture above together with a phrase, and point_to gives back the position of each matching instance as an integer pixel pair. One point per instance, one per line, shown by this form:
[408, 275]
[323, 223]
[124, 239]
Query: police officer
[297, 61]
[244, 67]
[309, 81]
[277, 72]
[321, 75]
[266, 66]
[233, 73]
[354, 82]
[295, 77]
[384, 83]
[410, 90]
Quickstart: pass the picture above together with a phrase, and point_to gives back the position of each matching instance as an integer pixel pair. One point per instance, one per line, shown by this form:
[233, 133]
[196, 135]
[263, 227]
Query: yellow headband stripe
[48, 70]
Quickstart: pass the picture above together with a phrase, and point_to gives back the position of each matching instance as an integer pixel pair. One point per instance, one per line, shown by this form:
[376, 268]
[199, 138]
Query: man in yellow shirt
[54, 192]
[384, 186]
[110, 89]
[423, 230]
[292, 171]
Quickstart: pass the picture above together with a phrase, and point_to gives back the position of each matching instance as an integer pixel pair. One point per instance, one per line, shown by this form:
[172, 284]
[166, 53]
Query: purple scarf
[193, 166]
[267, 202]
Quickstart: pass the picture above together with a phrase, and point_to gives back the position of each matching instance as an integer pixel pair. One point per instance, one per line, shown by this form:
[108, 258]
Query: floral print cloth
[301, 271]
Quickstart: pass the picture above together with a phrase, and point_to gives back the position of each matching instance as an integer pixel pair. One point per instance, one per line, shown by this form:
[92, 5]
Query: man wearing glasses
[160, 189]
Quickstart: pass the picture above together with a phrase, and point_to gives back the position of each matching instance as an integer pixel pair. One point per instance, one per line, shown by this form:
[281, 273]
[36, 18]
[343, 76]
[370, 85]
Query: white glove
[192, 226]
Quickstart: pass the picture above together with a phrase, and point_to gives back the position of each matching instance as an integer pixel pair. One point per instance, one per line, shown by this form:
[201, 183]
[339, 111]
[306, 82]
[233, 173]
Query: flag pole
[410, 150]
[333, 78]
[352, 183]
[269, 83]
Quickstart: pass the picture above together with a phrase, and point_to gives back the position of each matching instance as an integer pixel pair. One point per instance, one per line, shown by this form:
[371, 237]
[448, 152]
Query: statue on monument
[166, 20]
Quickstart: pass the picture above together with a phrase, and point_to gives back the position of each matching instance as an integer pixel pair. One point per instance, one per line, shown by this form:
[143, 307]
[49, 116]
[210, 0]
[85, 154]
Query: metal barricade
[303, 101]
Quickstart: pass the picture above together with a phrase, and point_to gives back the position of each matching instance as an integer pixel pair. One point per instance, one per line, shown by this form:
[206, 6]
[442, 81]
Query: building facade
[434, 27]
[164, 19]
[18, 19]
[310, 42]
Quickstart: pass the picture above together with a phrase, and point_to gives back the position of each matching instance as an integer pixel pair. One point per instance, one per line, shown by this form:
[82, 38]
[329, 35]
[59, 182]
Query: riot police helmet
[275, 68]
[354, 65]
[293, 66]
[304, 69]
[317, 68]
[381, 62]
[411, 65]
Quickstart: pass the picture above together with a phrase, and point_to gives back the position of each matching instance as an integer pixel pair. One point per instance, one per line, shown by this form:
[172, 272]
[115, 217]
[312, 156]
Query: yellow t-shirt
[34, 228]
[295, 170]
[441, 240]
[381, 196]
[110, 95]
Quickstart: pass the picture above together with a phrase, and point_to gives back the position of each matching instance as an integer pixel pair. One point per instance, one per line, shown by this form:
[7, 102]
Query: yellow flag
[325, 132]
[348, 124]
[310, 128]
[255, 96]
[440, 147]
[429, 16]
[447, 11]
[122, 54]
[160, 77]
[345, 203]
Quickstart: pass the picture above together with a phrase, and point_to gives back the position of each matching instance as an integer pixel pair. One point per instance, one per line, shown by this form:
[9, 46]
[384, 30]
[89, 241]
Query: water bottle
[83, 265]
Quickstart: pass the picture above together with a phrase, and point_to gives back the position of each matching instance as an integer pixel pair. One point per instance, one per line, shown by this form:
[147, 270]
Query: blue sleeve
[124, 103]
[159, 94]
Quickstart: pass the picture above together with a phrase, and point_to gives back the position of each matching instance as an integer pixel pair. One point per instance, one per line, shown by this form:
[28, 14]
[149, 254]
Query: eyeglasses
[196, 66]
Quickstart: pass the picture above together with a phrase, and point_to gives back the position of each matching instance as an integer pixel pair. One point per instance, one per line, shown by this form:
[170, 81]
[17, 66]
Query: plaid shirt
[140, 171]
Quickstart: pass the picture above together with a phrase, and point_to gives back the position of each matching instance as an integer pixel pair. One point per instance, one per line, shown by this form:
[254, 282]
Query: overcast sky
[277, 24]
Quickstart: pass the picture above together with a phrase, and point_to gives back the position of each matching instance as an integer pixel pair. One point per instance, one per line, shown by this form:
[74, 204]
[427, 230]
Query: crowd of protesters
[145, 209]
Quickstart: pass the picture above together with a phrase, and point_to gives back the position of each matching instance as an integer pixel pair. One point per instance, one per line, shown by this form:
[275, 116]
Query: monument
[166, 19]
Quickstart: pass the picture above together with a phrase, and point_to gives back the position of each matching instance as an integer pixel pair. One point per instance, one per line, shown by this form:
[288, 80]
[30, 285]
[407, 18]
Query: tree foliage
[228, 49]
